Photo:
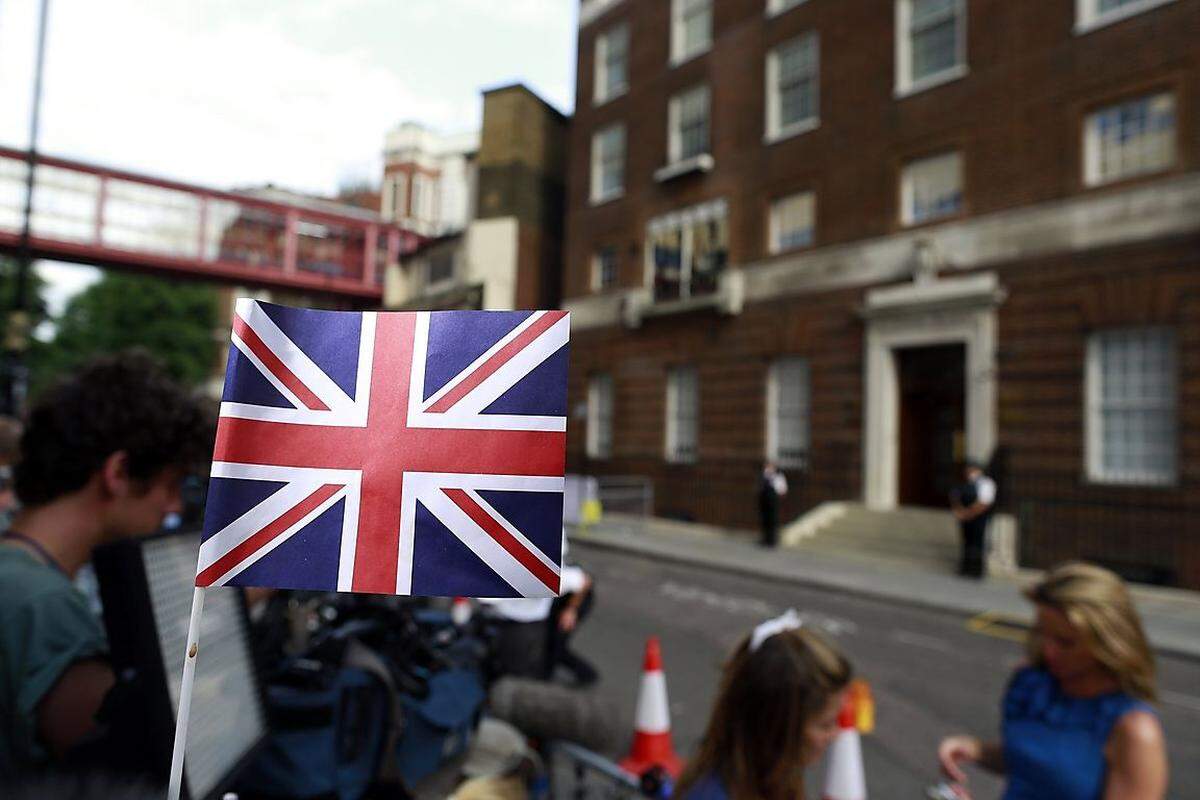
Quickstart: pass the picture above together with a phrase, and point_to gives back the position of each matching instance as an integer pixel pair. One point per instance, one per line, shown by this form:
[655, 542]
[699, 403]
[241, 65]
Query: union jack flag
[390, 452]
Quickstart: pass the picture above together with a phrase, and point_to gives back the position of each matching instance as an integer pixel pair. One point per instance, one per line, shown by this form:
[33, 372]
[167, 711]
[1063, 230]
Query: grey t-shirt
[45, 627]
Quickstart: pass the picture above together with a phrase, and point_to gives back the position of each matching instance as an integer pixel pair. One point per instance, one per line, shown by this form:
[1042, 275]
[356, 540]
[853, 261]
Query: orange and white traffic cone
[844, 776]
[652, 725]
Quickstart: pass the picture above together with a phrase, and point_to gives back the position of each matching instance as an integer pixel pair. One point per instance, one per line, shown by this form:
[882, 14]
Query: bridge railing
[91, 214]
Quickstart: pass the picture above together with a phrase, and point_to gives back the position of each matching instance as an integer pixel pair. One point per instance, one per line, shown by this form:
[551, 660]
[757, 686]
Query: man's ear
[114, 474]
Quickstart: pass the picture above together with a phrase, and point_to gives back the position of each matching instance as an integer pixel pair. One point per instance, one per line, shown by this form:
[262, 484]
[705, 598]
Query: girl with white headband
[776, 713]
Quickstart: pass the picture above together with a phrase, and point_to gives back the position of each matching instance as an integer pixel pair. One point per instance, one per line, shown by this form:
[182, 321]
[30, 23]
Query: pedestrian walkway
[1171, 616]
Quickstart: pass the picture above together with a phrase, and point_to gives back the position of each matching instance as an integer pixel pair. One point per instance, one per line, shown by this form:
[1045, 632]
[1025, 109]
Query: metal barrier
[577, 773]
[627, 494]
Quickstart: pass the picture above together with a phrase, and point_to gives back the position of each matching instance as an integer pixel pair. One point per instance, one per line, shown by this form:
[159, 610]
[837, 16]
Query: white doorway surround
[928, 311]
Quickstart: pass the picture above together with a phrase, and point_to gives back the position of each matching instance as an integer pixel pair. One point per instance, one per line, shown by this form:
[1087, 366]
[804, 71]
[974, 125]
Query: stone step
[908, 535]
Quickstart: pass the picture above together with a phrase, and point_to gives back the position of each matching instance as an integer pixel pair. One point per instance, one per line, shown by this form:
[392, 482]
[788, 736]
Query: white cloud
[294, 92]
[65, 281]
[235, 106]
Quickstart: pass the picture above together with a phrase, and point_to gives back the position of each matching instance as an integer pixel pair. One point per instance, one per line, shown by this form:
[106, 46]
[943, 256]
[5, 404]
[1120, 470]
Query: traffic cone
[844, 776]
[652, 726]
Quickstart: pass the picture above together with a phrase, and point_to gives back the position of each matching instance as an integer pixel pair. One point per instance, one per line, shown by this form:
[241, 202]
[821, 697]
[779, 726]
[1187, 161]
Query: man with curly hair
[102, 458]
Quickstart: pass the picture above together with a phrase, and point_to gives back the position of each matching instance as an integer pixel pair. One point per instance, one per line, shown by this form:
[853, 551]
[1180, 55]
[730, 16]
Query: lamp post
[16, 337]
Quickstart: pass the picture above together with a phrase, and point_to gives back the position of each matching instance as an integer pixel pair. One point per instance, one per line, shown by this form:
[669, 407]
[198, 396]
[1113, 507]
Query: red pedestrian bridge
[88, 214]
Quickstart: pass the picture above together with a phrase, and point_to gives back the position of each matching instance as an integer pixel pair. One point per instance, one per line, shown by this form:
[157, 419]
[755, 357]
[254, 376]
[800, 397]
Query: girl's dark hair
[755, 736]
[114, 403]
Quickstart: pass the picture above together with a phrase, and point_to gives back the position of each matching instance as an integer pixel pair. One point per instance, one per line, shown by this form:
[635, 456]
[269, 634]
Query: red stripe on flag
[503, 538]
[498, 359]
[281, 524]
[277, 367]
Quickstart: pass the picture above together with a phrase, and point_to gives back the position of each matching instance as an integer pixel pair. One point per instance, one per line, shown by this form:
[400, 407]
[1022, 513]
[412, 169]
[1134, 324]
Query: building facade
[428, 179]
[256, 237]
[870, 239]
[507, 251]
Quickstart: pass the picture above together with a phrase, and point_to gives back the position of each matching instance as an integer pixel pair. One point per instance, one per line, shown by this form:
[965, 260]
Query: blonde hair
[767, 697]
[1097, 602]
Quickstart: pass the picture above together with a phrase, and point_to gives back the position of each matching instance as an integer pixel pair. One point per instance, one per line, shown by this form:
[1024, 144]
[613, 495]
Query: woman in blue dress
[776, 713]
[1077, 722]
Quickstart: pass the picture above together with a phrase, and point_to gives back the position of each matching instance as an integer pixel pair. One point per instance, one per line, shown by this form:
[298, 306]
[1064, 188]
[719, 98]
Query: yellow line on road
[999, 625]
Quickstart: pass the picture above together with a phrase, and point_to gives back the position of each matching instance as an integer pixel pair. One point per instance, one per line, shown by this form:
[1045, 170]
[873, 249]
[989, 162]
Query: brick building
[867, 239]
[505, 251]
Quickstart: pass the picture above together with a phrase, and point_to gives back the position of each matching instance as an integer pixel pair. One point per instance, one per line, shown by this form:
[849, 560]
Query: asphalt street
[930, 674]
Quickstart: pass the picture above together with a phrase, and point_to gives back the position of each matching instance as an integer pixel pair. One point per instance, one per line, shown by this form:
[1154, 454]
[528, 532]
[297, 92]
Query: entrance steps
[918, 537]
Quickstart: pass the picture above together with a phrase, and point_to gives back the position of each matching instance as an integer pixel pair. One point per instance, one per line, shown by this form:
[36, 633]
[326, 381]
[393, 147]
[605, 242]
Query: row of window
[1132, 419]
[1132, 138]
[1122, 140]
[930, 39]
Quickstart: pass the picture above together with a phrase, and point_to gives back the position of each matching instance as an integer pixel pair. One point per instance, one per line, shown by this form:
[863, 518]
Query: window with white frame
[424, 204]
[395, 191]
[608, 163]
[683, 414]
[600, 416]
[931, 42]
[787, 412]
[931, 188]
[691, 28]
[792, 222]
[612, 64]
[792, 86]
[604, 268]
[779, 6]
[417, 201]
[1132, 138]
[1132, 414]
[688, 120]
[687, 251]
[1091, 14]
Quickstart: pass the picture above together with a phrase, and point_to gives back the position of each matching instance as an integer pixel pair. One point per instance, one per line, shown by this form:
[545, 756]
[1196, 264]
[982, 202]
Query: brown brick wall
[732, 357]
[522, 163]
[538, 256]
[519, 127]
[1017, 115]
[1053, 305]
[1018, 118]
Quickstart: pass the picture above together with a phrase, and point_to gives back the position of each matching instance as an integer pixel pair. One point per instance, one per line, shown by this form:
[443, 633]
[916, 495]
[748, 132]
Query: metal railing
[577, 773]
[626, 494]
[96, 215]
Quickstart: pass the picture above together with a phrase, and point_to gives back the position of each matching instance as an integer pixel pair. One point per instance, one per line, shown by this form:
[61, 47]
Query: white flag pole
[185, 695]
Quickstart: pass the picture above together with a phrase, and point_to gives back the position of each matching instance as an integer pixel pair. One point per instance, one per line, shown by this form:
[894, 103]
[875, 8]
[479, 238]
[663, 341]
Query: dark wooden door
[932, 417]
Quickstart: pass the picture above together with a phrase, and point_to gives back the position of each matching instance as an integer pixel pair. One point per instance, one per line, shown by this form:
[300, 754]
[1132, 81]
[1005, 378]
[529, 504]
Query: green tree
[175, 321]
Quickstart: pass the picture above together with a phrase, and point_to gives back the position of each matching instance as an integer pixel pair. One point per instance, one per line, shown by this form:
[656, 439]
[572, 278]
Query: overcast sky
[298, 93]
